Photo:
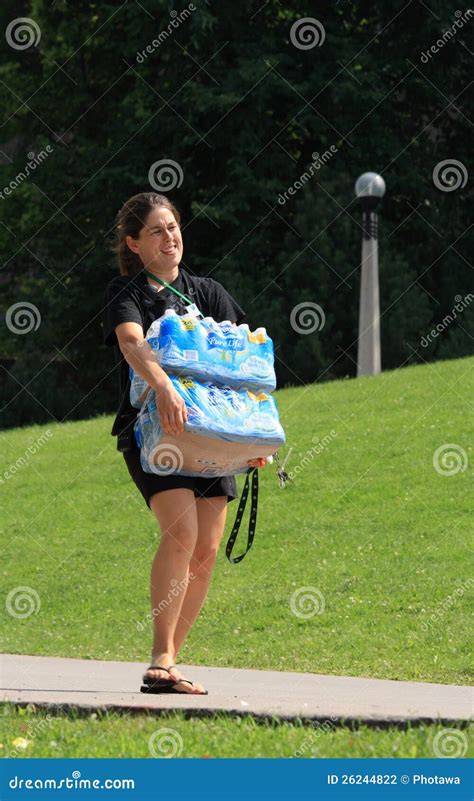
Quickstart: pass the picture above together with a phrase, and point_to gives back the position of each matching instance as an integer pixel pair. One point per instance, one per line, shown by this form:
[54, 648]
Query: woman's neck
[169, 276]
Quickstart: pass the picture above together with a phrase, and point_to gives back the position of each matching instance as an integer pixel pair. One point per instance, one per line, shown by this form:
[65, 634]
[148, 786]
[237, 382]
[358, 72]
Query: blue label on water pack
[222, 352]
[230, 343]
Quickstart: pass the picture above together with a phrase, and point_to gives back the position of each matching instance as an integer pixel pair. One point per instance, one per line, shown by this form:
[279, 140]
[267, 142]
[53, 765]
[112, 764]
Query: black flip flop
[189, 682]
[145, 688]
[156, 685]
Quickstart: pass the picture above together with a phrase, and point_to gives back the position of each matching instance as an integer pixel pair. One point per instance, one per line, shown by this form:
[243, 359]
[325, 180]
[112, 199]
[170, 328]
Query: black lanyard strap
[240, 512]
[168, 286]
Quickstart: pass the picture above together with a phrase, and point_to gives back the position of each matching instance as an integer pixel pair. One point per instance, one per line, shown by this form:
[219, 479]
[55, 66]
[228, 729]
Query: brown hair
[130, 220]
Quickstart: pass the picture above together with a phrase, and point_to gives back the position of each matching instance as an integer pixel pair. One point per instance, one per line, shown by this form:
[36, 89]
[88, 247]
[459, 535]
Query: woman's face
[159, 243]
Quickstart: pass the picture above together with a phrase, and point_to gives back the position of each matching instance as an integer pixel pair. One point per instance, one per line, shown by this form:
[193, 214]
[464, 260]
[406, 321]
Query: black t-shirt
[133, 300]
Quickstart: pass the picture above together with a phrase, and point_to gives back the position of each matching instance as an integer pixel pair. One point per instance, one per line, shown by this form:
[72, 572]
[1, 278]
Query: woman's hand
[171, 409]
[260, 462]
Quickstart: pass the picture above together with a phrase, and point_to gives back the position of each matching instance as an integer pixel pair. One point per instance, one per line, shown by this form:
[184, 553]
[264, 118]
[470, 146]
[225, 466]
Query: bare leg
[211, 515]
[176, 513]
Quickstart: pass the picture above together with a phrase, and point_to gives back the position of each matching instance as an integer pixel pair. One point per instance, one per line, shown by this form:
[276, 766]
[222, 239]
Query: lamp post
[369, 188]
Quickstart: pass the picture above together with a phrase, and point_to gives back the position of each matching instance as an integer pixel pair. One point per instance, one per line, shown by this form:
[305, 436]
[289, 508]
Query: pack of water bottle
[225, 428]
[223, 373]
[209, 351]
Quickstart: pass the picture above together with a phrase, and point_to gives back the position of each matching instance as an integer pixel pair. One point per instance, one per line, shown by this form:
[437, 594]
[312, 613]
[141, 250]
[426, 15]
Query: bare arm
[142, 360]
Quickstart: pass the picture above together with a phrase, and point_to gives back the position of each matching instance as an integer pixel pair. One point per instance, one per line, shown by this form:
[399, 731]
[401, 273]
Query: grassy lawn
[29, 733]
[378, 534]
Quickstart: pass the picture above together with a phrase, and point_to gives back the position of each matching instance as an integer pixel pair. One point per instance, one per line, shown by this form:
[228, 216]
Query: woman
[191, 512]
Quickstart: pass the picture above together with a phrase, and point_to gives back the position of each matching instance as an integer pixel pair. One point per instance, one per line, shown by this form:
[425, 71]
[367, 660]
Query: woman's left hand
[260, 462]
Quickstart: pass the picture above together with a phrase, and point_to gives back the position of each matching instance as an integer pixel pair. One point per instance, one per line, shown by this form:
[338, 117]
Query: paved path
[90, 683]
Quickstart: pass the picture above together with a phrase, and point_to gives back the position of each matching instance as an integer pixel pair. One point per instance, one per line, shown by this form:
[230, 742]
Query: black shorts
[149, 483]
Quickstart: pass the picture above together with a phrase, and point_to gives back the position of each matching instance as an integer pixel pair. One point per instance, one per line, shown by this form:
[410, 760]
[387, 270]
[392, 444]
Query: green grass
[367, 522]
[49, 734]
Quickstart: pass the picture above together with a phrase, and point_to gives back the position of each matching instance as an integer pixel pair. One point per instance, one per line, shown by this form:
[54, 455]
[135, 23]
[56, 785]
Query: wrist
[161, 384]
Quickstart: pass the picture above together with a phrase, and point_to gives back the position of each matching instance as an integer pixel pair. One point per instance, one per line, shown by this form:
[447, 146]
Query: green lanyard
[168, 286]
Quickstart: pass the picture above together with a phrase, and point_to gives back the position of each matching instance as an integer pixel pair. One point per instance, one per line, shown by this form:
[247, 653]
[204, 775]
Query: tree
[233, 94]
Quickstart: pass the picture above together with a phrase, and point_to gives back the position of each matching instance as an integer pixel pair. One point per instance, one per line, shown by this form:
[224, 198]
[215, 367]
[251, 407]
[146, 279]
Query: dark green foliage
[241, 109]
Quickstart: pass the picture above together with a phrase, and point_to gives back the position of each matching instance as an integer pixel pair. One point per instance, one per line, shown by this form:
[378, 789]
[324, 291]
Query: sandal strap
[157, 667]
[177, 681]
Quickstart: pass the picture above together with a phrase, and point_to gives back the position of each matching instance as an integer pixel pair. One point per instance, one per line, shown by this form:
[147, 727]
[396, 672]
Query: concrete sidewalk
[263, 693]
